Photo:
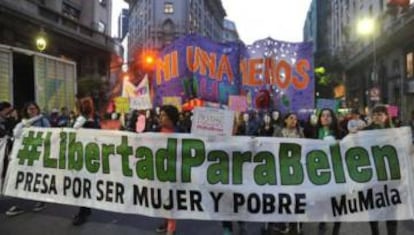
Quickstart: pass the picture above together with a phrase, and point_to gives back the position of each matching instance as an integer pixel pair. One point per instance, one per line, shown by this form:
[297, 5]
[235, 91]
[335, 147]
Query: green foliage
[327, 75]
[322, 78]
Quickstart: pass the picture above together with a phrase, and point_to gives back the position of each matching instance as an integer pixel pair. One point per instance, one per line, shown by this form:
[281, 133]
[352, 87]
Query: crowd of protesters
[326, 125]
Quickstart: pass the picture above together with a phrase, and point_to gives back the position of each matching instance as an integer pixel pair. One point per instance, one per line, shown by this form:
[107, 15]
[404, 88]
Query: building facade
[317, 29]
[123, 23]
[377, 66]
[75, 29]
[230, 33]
[155, 24]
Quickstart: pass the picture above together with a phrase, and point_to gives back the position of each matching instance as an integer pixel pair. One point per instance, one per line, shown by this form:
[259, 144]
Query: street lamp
[366, 27]
[41, 41]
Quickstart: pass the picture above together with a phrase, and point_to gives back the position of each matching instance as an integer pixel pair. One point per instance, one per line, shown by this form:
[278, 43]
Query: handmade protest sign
[279, 75]
[212, 121]
[327, 103]
[392, 110]
[121, 104]
[197, 67]
[142, 98]
[238, 103]
[172, 100]
[365, 177]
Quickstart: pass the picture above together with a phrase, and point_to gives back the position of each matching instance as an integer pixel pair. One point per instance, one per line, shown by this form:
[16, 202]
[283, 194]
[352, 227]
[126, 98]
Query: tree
[328, 76]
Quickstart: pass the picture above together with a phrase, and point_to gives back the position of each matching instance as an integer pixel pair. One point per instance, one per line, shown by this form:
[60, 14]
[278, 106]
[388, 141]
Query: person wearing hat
[355, 123]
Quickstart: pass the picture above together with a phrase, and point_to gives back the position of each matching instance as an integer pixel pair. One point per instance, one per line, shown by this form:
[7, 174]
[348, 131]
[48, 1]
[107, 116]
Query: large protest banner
[271, 74]
[196, 67]
[279, 75]
[365, 177]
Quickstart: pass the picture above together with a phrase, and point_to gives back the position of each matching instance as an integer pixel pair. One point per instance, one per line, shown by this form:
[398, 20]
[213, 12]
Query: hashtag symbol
[30, 153]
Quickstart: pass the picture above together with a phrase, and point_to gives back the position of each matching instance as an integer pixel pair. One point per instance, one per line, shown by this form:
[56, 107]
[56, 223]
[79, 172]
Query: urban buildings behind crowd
[75, 29]
[375, 68]
[155, 24]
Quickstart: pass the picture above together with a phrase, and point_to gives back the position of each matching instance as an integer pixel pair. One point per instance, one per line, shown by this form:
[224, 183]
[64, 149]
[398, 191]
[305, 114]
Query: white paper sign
[212, 121]
[140, 102]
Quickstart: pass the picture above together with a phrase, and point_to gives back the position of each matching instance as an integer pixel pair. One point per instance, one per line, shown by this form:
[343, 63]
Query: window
[70, 11]
[410, 64]
[168, 8]
[101, 27]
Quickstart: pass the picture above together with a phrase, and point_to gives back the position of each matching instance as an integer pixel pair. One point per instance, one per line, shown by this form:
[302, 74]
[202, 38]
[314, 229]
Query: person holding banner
[291, 129]
[327, 128]
[86, 119]
[240, 128]
[381, 120]
[168, 122]
[31, 117]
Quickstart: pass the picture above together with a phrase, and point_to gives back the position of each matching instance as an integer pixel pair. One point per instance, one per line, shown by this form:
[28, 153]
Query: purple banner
[279, 75]
[196, 67]
[271, 74]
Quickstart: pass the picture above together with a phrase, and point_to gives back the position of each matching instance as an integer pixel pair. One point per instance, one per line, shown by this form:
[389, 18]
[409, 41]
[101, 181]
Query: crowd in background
[252, 123]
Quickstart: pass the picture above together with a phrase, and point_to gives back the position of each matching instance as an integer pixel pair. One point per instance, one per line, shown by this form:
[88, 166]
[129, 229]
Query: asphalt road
[56, 219]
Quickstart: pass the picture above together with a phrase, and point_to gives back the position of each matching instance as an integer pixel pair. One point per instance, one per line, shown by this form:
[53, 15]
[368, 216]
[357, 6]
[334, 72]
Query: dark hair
[383, 109]
[334, 126]
[4, 105]
[380, 109]
[287, 116]
[171, 112]
[26, 106]
[355, 111]
[86, 107]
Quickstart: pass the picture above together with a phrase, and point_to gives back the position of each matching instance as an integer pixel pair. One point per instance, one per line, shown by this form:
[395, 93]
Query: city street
[56, 219]
[206, 111]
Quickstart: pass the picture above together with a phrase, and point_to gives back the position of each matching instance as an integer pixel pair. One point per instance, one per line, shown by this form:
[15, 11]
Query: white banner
[3, 144]
[212, 121]
[365, 177]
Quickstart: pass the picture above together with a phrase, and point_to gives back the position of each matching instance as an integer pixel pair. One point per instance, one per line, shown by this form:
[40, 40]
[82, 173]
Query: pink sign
[238, 103]
[392, 110]
[140, 124]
